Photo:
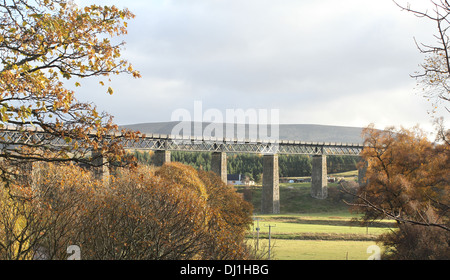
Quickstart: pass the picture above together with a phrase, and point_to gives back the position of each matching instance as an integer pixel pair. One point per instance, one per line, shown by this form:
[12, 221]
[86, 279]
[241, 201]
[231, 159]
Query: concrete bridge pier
[362, 170]
[161, 157]
[101, 168]
[270, 203]
[219, 165]
[30, 173]
[319, 180]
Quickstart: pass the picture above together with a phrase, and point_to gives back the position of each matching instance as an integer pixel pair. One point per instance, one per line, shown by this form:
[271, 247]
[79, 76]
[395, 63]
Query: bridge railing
[193, 143]
[264, 146]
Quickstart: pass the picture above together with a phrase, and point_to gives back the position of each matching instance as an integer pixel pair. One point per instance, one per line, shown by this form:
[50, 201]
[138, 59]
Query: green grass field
[317, 237]
[311, 229]
[321, 250]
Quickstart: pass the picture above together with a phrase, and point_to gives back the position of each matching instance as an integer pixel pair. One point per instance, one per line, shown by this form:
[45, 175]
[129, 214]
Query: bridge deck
[267, 146]
[201, 144]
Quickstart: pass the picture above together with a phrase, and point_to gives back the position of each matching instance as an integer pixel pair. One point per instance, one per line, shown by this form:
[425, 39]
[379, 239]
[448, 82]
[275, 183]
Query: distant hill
[299, 132]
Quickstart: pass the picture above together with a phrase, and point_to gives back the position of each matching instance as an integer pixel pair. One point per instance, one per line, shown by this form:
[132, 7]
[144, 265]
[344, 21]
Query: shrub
[415, 242]
[170, 213]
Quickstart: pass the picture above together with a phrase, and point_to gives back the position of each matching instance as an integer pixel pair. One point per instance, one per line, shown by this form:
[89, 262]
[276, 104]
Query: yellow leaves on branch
[184, 175]
[55, 41]
[405, 169]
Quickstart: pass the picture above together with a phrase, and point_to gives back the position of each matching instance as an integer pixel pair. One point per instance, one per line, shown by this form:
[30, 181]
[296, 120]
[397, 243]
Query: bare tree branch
[435, 76]
[387, 213]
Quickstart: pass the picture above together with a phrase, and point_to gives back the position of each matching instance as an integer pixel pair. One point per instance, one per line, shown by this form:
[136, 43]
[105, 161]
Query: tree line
[252, 164]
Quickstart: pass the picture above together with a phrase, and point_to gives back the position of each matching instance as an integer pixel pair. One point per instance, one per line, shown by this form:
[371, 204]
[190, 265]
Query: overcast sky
[329, 62]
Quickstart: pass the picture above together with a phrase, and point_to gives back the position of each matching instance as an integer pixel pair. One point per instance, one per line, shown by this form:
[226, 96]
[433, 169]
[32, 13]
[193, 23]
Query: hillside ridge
[298, 132]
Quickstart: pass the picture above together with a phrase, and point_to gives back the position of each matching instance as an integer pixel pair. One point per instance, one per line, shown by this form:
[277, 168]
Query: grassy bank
[321, 249]
[317, 236]
[312, 229]
[296, 198]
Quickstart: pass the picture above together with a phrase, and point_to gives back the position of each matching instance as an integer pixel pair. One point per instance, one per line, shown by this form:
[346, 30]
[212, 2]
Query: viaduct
[162, 145]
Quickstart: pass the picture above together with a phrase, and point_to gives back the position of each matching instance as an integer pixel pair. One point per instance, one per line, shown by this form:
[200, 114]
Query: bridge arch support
[319, 177]
[219, 165]
[161, 157]
[270, 202]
